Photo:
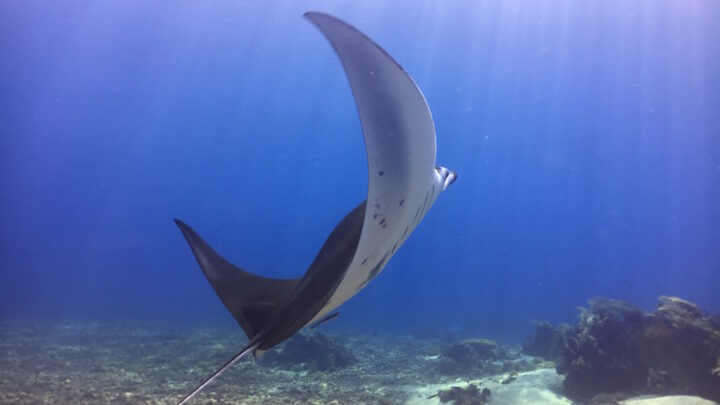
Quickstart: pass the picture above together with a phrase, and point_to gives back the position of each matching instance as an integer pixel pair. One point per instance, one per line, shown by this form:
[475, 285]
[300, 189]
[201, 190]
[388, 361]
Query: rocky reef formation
[546, 341]
[618, 348]
[310, 351]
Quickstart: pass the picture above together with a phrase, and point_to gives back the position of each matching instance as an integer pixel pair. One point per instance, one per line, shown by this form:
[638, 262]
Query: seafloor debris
[310, 351]
[470, 395]
[617, 348]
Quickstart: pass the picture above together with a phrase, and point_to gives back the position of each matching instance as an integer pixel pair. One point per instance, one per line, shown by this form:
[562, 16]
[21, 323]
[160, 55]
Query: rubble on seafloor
[615, 351]
[93, 363]
[618, 349]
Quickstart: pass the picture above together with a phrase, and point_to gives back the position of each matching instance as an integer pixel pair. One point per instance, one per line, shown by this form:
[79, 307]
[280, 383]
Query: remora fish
[404, 182]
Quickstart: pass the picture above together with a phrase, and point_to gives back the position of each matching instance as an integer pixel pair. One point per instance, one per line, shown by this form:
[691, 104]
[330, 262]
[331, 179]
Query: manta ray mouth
[447, 175]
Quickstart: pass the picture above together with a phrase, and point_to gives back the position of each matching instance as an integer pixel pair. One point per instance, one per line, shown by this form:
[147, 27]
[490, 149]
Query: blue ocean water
[586, 136]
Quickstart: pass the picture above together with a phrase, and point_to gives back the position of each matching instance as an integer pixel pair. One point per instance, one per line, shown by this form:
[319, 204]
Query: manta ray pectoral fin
[258, 315]
[400, 143]
[251, 299]
[325, 319]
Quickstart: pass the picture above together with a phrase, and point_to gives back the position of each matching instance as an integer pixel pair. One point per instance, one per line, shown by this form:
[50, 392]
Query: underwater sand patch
[531, 387]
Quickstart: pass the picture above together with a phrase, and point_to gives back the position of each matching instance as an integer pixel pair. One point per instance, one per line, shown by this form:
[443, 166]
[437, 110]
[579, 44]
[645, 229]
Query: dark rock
[486, 349]
[472, 355]
[617, 348]
[310, 351]
[470, 395]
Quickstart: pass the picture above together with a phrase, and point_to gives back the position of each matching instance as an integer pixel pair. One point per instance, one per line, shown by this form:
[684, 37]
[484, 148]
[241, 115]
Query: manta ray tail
[251, 299]
[244, 352]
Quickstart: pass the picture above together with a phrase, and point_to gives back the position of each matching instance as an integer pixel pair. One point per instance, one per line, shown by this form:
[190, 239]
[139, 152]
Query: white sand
[532, 387]
[539, 387]
[668, 400]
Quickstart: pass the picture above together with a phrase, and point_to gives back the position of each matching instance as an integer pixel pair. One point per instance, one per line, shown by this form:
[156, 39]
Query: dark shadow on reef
[618, 349]
[311, 351]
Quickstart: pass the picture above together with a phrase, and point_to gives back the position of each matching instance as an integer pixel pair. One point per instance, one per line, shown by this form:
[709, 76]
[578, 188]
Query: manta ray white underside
[404, 182]
[400, 141]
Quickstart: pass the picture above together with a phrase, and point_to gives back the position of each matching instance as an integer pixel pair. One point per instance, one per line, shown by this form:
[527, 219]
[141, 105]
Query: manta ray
[404, 182]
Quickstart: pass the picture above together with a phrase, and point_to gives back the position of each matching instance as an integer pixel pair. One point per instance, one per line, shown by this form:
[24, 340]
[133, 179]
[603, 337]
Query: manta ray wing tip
[311, 13]
[180, 224]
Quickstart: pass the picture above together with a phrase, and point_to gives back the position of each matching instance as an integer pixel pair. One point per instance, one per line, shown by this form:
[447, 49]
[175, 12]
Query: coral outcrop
[546, 341]
[471, 355]
[618, 348]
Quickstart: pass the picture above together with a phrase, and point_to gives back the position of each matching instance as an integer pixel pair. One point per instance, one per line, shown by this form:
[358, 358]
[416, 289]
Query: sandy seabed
[95, 363]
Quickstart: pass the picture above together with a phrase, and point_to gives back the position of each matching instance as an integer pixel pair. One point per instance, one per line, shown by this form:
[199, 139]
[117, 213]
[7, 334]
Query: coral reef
[616, 347]
[470, 395]
[546, 341]
[310, 351]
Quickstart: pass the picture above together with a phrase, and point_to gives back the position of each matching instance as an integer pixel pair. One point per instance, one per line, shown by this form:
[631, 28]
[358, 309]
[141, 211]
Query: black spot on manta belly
[382, 221]
[375, 216]
[364, 261]
[401, 203]
[375, 270]
[380, 173]
[425, 203]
